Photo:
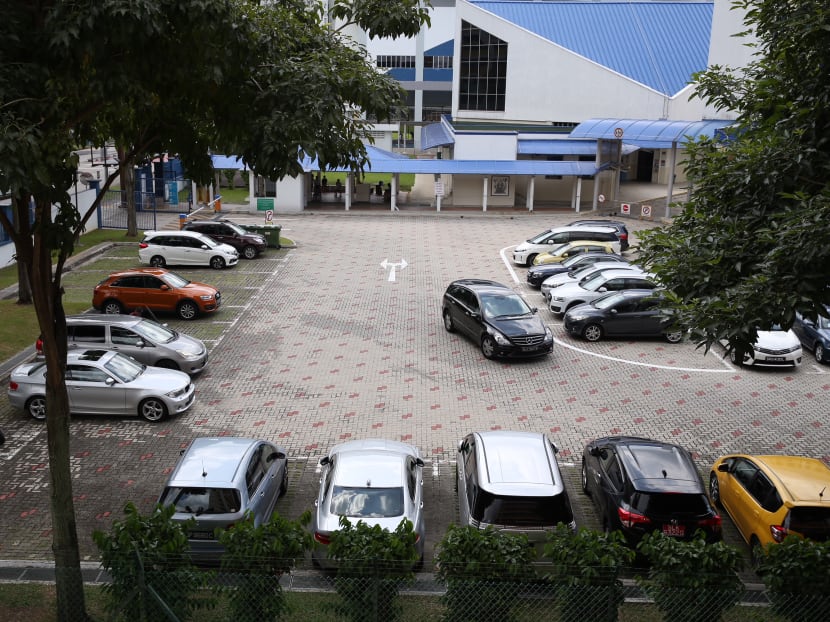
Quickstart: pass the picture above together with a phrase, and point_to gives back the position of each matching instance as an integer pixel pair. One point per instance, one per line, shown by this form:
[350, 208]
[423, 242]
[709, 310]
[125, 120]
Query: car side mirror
[602, 289]
[109, 382]
[612, 311]
[723, 467]
[204, 247]
[140, 343]
[164, 288]
[534, 309]
[419, 462]
[325, 460]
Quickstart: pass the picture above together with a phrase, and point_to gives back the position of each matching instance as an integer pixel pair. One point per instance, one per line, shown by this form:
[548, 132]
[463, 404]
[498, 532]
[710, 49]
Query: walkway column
[251, 197]
[484, 194]
[595, 199]
[578, 194]
[393, 193]
[347, 198]
[531, 186]
[670, 189]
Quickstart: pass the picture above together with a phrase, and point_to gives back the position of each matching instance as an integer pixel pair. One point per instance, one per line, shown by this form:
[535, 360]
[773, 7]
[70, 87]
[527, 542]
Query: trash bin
[271, 233]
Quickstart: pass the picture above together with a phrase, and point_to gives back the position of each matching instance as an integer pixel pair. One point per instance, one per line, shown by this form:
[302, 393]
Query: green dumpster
[271, 233]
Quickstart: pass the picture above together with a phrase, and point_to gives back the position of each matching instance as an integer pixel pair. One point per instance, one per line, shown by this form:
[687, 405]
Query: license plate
[201, 535]
[775, 358]
[530, 348]
[674, 531]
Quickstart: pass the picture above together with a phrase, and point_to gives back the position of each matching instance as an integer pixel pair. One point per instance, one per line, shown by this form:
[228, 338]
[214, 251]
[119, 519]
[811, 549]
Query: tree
[752, 245]
[267, 82]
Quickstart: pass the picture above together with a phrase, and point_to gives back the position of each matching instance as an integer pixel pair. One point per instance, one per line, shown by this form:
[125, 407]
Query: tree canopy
[752, 245]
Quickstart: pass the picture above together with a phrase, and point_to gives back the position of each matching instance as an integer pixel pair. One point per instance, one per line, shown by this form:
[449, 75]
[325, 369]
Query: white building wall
[486, 146]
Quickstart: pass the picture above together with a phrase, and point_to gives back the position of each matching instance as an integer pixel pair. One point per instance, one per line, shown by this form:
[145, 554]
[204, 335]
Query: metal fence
[169, 197]
[180, 592]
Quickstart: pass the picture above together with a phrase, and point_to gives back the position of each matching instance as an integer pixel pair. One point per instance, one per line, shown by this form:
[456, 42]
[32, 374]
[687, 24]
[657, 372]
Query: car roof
[103, 318]
[654, 466]
[587, 227]
[148, 270]
[98, 355]
[190, 234]
[212, 461]
[518, 463]
[614, 272]
[481, 284]
[616, 224]
[371, 462]
[800, 478]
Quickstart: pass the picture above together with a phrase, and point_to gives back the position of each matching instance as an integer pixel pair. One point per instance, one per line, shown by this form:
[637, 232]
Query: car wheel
[217, 263]
[157, 261]
[733, 356]
[676, 336]
[530, 259]
[152, 409]
[249, 252]
[448, 324]
[284, 483]
[167, 364]
[112, 307]
[819, 352]
[755, 552]
[592, 332]
[36, 407]
[585, 478]
[187, 310]
[714, 489]
[488, 347]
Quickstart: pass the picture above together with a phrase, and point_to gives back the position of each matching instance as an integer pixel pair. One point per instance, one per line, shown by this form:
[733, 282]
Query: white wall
[476, 146]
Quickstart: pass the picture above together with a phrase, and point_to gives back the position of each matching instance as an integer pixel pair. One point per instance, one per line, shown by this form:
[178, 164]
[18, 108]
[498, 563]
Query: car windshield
[608, 301]
[540, 238]
[594, 282]
[202, 500]
[154, 332]
[367, 502]
[572, 260]
[208, 241]
[236, 228]
[174, 280]
[125, 368]
[502, 306]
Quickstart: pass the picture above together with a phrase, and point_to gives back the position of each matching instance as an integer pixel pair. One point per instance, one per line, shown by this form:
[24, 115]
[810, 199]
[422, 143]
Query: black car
[496, 318]
[248, 244]
[640, 485]
[622, 230]
[536, 275]
[814, 336]
[626, 313]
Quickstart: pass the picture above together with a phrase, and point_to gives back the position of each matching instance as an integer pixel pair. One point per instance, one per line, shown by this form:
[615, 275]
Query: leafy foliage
[148, 559]
[690, 580]
[484, 571]
[372, 565]
[585, 566]
[797, 575]
[752, 244]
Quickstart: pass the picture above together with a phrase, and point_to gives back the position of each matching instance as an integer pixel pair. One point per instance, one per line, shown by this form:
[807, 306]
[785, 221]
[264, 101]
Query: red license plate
[674, 531]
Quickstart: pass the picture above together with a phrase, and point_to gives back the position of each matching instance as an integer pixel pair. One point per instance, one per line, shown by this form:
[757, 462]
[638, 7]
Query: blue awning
[223, 162]
[649, 133]
[436, 135]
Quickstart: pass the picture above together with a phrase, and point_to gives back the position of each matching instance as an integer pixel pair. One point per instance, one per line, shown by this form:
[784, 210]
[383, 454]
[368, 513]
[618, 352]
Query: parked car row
[589, 234]
[506, 480]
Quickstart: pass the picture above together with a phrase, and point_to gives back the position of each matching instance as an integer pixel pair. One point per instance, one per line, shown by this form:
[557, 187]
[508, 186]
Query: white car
[773, 348]
[185, 248]
[591, 288]
[551, 239]
[557, 280]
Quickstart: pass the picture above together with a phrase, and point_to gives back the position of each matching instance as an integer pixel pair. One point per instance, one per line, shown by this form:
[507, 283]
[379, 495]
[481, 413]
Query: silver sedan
[375, 481]
[100, 382]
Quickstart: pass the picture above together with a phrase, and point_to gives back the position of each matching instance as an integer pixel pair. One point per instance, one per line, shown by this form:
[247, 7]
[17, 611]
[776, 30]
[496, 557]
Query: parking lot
[341, 338]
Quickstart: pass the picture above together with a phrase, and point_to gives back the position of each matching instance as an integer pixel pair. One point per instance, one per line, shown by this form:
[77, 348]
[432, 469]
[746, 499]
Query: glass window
[203, 500]
[483, 70]
[87, 334]
[123, 336]
[85, 373]
[367, 502]
[255, 472]
[515, 511]
[744, 471]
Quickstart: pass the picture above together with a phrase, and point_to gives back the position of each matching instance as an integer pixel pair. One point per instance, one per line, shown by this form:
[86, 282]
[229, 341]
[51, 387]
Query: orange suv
[155, 289]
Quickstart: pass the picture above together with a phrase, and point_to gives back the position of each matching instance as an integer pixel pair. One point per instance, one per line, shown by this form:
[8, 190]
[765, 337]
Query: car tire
[675, 336]
[714, 489]
[249, 252]
[584, 478]
[819, 352]
[152, 409]
[167, 364]
[187, 310]
[217, 263]
[112, 307]
[733, 356]
[157, 261]
[449, 326]
[592, 332]
[755, 552]
[284, 483]
[529, 261]
[488, 347]
[36, 407]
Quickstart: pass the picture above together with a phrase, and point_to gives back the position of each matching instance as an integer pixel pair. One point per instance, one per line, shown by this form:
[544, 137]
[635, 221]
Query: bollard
[217, 203]
[182, 220]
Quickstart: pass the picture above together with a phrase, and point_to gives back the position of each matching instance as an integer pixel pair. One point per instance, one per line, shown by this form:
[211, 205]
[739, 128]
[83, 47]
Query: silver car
[146, 341]
[217, 481]
[375, 481]
[101, 382]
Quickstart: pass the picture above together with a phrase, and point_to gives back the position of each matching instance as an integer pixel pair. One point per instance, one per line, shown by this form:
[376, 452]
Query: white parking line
[509, 264]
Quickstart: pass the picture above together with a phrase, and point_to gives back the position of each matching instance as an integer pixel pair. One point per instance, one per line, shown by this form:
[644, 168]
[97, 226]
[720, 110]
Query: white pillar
[347, 198]
[419, 88]
[484, 194]
[531, 187]
[251, 197]
[578, 193]
[393, 193]
[595, 198]
[670, 189]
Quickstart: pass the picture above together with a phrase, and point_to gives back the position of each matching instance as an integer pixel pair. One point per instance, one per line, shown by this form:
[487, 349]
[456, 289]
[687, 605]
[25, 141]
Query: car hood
[776, 339]
[226, 248]
[198, 289]
[185, 344]
[571, 288]
[517, 326]
[161, 380]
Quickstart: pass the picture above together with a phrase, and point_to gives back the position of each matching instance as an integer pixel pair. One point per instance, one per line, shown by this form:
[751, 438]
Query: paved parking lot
[321, 343]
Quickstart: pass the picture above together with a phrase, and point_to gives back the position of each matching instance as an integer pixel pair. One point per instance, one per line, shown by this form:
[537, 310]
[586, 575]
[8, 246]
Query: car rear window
[812, 523]
[675, 504]
[203, 500]
[514, 511]
[367, 502]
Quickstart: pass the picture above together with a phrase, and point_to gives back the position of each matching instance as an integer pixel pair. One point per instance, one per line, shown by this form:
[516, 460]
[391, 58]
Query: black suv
[496, 318]
[641, 485]
[622, 230]
[248, 244]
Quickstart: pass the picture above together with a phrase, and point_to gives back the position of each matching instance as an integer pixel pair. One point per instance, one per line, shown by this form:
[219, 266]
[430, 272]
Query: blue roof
[658, 44]
[442, 49]
[436, 135]
[649, 134]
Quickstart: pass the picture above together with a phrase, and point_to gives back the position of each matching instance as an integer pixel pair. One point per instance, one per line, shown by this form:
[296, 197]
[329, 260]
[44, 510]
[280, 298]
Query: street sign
[439, 188]
[625, 208]
[618, 132]
[645, 211]
[601, 198]
[269, 215]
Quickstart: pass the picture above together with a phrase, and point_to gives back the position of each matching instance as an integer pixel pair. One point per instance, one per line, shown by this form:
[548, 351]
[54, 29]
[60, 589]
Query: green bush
[149, 561]
[484, 571]
[796, 573]
[585, 568]
[372, 565]
[255, 558]
[691, 581]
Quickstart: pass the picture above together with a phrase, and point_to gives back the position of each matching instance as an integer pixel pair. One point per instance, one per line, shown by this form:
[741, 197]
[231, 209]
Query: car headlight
[188, 354]
[177, 393]
[557, 298]
[208, 297]
[500, 339]
[577, 317]
[548, 334]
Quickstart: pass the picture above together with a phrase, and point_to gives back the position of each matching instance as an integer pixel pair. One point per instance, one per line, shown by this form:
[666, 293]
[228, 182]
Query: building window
[387, 61]
[438, 62]
[483, 75]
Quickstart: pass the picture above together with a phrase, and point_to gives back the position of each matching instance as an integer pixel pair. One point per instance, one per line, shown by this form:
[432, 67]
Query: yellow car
[570, 249]
[771, 497]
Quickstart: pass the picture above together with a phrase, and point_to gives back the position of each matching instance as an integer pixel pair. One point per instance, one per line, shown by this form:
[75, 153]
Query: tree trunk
[20, 213]
[127, 175]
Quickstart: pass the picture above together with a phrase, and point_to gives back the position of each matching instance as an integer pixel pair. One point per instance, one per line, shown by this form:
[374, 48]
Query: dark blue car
[814, 336]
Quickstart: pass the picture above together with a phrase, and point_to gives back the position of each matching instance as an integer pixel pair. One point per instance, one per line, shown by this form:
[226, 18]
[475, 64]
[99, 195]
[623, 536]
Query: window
[608, 460]
[87, 334]
[483, 70]
[123, 336]
[83, 373]
[130, 281]
[254, 473]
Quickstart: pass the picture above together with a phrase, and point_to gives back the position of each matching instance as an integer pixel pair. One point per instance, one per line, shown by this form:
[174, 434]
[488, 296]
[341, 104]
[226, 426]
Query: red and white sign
[645, 211]
[601, 198]
[625, 208]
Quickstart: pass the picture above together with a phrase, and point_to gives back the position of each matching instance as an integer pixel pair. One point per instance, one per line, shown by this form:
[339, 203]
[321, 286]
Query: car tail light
[622, 236]
[630, 519]
[13, 386]
[713, 522]
[779, 532]
[143, 245]
[39, 345]
[322, 538]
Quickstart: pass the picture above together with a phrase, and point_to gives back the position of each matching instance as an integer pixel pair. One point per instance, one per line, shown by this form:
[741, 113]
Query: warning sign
[645, 211]
[625, 208]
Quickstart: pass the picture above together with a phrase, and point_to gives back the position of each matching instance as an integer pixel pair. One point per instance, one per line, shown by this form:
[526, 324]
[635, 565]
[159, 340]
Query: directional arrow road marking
[391, 265]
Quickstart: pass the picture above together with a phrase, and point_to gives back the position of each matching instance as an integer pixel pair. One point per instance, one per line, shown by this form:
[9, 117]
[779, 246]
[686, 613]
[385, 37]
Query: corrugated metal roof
[658, 44]
[562, 146]
[442, 49]
[436, 135]
[649, 134]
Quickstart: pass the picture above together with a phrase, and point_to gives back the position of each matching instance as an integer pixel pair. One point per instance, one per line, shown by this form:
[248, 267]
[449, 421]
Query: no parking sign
[645, 211]
[625, 208]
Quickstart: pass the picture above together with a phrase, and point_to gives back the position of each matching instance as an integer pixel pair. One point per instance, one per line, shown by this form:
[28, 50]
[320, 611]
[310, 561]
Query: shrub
[585, 567]
[484, 571]
[372, 565]
[796, 573]
[148, 559]
[691, 581]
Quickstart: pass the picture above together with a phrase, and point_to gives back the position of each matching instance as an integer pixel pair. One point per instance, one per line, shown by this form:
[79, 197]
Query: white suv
[557, 280]
[185, 248]
[564, 297]
[548, 240]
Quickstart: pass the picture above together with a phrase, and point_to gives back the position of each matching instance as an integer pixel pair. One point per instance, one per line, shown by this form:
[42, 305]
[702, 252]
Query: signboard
[601, 198]
[625, 208]
[645, 211]
[439, 188]
[618, 132]
[264, 204]
[269, 215]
